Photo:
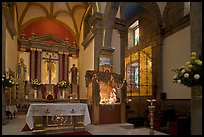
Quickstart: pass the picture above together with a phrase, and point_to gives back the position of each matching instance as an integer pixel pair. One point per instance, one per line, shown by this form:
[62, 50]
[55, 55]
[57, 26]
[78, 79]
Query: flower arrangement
[35, 83]
[191, 75]
[8, 81]
[63, 84]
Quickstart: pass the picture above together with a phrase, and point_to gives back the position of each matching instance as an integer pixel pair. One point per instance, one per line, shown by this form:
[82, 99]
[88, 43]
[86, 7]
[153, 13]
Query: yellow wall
[10, 52]
[176, 52]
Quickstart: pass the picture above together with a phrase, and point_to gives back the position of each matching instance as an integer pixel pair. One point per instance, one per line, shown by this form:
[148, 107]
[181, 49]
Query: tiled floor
[15, 126]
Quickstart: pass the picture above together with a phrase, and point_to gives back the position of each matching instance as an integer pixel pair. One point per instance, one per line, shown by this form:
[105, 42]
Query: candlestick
[151, 101]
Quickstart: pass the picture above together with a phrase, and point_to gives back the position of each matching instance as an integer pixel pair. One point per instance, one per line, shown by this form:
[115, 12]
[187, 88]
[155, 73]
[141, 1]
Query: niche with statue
[106, 97]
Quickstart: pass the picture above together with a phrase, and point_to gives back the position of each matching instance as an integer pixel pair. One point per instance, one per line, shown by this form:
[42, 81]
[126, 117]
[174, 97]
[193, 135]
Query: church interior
[81, 65]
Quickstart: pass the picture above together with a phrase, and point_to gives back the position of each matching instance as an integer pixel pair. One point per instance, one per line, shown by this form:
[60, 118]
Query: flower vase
[5, 89]
[197, 92]
[63, 93]
[35, 93]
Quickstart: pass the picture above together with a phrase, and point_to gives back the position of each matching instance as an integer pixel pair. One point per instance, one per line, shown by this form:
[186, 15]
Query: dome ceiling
[68, 13]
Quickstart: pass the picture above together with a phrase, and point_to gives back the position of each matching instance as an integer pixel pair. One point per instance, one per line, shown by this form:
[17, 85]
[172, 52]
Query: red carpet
[26, 128]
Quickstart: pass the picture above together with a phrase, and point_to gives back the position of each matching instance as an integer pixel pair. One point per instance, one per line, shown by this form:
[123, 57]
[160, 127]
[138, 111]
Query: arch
[108, 22]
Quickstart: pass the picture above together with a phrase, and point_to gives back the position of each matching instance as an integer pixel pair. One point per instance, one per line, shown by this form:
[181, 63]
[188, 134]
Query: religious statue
[74, 72]
[113, 98]
[21, 70]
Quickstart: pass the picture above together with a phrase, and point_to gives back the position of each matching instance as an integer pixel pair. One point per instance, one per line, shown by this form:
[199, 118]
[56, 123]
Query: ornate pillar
[66, 66]
[60, 65]
[39, 64]
[32, 60]
[39, 52]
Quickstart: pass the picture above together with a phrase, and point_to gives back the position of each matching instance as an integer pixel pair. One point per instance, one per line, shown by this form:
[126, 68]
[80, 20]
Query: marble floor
[15, 126]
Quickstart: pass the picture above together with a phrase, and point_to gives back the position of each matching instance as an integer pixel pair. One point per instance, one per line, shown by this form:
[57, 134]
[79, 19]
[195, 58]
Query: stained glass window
[136, 34]
[139, 73]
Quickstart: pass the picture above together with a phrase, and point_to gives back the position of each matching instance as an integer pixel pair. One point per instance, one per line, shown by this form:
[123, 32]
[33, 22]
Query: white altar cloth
[11, 108]
[57, 109]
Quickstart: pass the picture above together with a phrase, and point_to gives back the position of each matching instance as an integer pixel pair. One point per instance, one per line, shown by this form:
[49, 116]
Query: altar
[58, 113]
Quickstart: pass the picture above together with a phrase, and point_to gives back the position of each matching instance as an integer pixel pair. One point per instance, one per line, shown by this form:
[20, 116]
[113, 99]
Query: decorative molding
[177, 26]
[38, 42]
[87, 39]
[107, 51]
[120, 24]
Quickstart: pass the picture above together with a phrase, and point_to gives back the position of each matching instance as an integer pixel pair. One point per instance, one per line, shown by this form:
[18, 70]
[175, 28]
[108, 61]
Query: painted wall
[46, 26]
[176, 52]
[86, 62]
[115, 43]
[10, 52]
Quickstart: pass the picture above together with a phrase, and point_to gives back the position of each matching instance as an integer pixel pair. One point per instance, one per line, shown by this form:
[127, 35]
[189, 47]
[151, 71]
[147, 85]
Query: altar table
[12, 109]
[57, 109]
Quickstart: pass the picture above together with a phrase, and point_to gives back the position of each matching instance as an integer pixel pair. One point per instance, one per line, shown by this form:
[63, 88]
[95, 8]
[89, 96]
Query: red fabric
[55, 91]
[36, 67]
[43, 90]
[26, 128]
[63, 66]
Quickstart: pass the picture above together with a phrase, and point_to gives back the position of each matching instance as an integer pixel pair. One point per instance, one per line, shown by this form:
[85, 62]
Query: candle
[151, 101]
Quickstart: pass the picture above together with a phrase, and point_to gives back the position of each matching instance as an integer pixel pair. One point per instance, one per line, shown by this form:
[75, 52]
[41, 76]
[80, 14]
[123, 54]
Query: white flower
[175, 76]
[186, 75]
[200, 63]
[187, 63]
[179, 81]
[2, 79]
[183, 71]
[181, 67]
[193, 54]
[196, 76]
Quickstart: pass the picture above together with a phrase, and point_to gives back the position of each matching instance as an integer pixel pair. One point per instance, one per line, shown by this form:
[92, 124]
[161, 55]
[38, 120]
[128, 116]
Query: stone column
[32, 60]
[60, 65]
[97, 33]
[196, 45]
[123, 37]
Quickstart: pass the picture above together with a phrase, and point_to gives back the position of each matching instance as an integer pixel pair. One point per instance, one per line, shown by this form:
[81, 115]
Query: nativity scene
[101, 68]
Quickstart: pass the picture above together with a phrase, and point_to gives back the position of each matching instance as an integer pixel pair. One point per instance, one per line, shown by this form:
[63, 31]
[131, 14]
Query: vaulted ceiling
[68, 13]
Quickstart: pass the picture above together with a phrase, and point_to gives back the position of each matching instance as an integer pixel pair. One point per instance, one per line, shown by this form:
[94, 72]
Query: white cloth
[59, 109]
[11, 108]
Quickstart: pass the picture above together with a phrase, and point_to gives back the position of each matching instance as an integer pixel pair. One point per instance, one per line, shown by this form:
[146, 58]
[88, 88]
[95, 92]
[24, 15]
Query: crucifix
[50, 60]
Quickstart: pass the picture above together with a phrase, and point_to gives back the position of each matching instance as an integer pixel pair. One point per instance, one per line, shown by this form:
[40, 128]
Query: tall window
[133, 34]
[139, 73]
[136, 33]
